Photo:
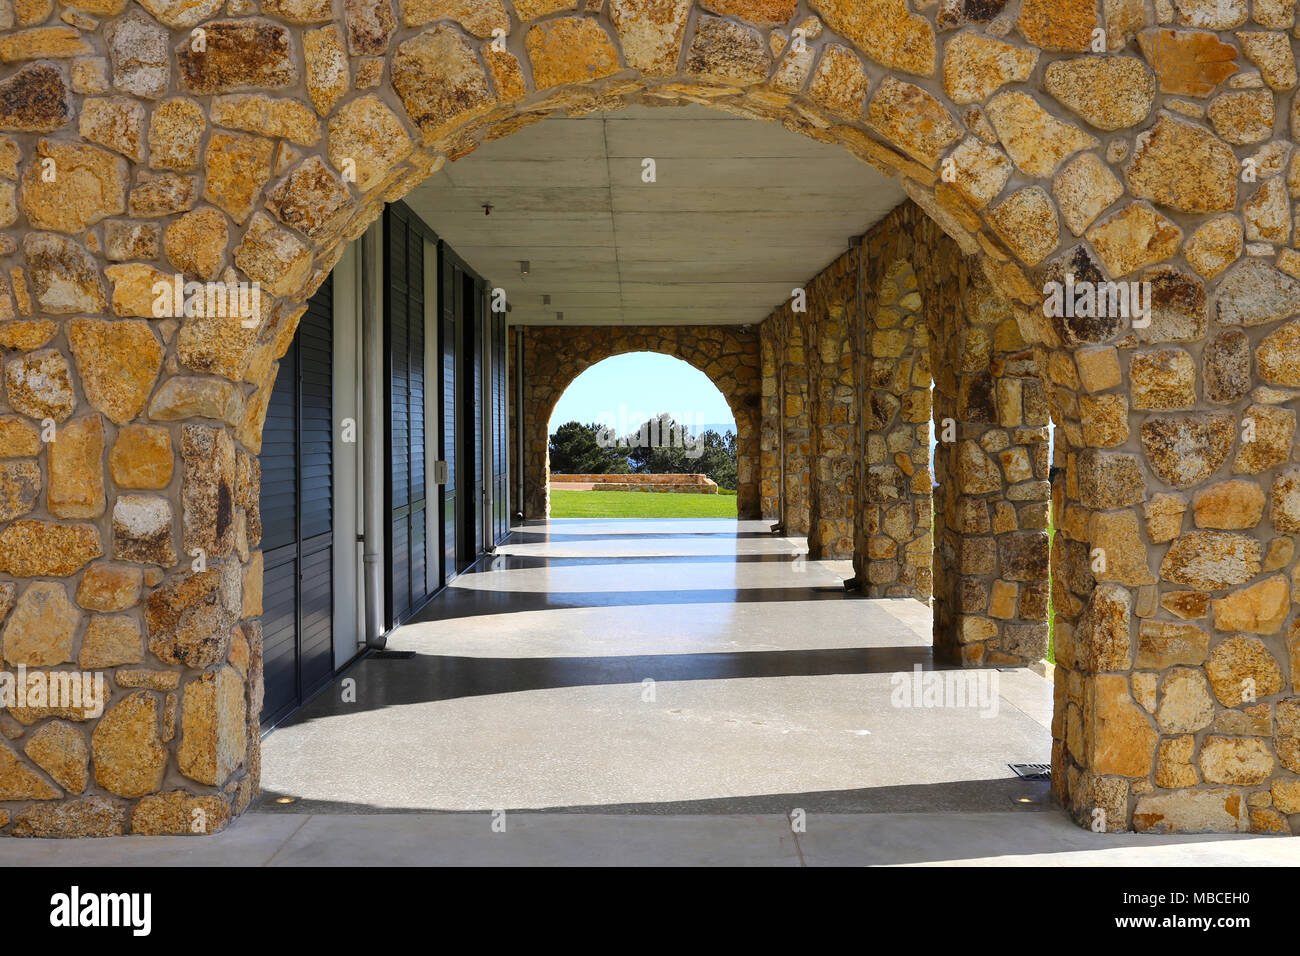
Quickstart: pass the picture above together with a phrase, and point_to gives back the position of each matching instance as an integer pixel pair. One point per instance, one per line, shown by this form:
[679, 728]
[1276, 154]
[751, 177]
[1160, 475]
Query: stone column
[738, 374]
[1177, 497]
[833, 313]
[541, 366]
[747, 463]
[130, 526]
[991, 508]
[895, 554]
[513, 332]
[795, 427]
[771, 349]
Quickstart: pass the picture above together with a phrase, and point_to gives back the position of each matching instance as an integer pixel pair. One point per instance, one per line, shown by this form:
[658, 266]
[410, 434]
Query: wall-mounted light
[525, 267]
[487, 208]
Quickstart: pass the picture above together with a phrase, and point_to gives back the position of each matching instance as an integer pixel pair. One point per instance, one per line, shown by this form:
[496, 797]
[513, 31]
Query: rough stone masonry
[1041, 141]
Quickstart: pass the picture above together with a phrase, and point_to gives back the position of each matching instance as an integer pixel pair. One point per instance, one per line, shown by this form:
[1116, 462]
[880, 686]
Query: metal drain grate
[392, 655]
[1032, 771]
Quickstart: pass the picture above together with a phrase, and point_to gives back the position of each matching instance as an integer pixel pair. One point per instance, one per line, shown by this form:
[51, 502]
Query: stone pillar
[1177, 498]
[991, 508]
[771, 356]
[795, 426]
[831, 326]
[540, 394]
[513, 336]
[743, 369]
[895, 551]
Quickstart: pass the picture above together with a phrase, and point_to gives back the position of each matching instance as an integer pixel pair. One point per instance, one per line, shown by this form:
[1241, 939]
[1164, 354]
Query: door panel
[449, 284]
[500, 433]
[405, 319]
[470, 414]
[297, 517]
[279, 633]
[471, 345]
[316, 491]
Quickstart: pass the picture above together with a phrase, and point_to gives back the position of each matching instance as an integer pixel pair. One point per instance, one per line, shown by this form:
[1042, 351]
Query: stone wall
[554, 356]
[1112, 141]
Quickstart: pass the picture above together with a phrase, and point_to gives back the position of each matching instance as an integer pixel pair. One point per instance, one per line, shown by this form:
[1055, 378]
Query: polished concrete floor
[656, 667]
[657, 693]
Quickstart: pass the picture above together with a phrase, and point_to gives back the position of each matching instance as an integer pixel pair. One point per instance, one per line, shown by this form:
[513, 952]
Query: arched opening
[553, 592]
[643, 435]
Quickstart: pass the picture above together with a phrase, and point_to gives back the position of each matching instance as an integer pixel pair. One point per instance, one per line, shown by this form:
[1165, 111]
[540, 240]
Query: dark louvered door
[469, 413]
[462, 296]
[316, 491]
[408, 577]
[500, 432]
[279, 507]
[399, 425]
[474, 317]
[297, 517]
[449, 283]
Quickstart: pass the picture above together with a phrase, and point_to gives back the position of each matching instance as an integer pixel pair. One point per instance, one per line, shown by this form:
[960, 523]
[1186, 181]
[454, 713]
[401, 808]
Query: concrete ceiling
[740, 214]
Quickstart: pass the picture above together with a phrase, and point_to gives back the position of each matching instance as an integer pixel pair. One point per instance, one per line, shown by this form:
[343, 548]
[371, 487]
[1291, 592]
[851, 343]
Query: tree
[659, 448]
[576, 449]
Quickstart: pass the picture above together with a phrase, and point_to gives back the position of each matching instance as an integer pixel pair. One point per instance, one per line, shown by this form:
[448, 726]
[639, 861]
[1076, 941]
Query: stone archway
[554, 357]
[1047, 141]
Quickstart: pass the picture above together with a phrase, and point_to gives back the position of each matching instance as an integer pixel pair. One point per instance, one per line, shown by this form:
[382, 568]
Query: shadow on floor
[524, 536]
[962, 796]
[457, 602]
[512, 562]
[383, 681]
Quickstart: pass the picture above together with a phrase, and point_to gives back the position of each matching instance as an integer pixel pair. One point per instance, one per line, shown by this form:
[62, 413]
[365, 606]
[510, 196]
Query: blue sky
[641, 384]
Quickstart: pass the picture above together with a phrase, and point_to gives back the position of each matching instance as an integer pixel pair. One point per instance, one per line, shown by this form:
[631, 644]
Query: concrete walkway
[656, 667]
[565, 839]
[659, 692]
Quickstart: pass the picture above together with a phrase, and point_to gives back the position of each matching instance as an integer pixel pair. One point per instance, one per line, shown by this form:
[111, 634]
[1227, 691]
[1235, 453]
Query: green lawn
[639, 504]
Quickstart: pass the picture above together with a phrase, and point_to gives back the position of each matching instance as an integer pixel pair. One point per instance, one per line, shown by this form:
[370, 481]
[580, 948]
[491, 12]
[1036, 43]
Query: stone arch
[556, 356]
[1047, 140]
